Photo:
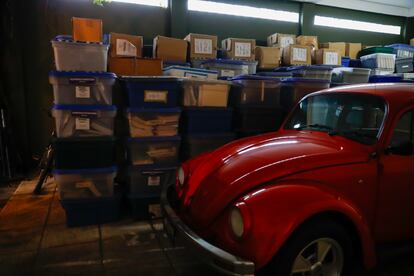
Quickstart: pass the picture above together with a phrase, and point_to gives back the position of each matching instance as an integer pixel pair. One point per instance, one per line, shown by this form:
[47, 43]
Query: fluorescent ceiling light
[356, 25]
[155, 3]
[239, 10]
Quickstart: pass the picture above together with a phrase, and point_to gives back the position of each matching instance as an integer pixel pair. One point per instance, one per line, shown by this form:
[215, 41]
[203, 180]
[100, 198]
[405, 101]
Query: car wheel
[321, 248]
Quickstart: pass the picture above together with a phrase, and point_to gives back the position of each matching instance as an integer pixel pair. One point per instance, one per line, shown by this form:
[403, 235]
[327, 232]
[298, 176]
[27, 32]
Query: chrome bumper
[208, 253]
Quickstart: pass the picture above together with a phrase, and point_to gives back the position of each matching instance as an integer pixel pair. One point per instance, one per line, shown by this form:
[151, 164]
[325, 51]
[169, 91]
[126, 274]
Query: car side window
[403, 131]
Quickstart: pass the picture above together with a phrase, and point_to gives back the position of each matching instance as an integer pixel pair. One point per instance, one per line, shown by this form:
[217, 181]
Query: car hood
[231, 171]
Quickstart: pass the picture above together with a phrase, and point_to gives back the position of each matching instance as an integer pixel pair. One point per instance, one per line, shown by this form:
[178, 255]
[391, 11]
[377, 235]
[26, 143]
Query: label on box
[331, 58]
[157, 96]
[83, 92]
[82, 123]
[286, 41]
[299, 54]
[227, 73]
[154, 180]
[125, 48]
[242, 49]
[203, 46]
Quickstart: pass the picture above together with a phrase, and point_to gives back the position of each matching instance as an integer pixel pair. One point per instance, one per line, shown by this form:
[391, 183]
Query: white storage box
[84, 120]
[228, 68]
[153, 122]
[82, 87]
[205, 93]
[85, 183]
[79, 56]
[187, 72]
[378, 60]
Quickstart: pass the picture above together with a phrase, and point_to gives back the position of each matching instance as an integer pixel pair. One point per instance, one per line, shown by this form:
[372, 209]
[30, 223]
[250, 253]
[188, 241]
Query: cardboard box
[297, 55]
[307, 40]
[239, 48]
[129, 66]
[340, 46]
[268, 57]
[170, 49]
[352, 49]
[87, 29]
[202, 46]
[328, 57]
[124, 45]
[282, 40]
[412, 41]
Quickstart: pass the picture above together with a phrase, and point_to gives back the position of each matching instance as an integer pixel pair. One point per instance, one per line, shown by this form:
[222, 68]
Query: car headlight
[236, 222]
[181, 176]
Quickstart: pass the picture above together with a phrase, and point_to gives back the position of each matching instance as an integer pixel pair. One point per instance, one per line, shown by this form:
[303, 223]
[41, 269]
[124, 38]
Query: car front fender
[277, 211]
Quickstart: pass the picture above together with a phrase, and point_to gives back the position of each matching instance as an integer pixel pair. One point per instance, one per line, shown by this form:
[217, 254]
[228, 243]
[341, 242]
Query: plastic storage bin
[389, 78]
[79, 56]
[404, 65]
[85, 183]
[152, 92]
[154, 150]
[382, 61]
[294, 89]
[84, 120]
[82, 212]
[194, 145]
[255, 90]
[145, 206]
[206, 120]
[82, 87]
[402, 50]
[230, 68]
[311, 71]
[375, 50]
[345, 61]
[149, 178]
[207, 93]
[258, 119]
[87, 152]
[153, 122]
[187, 72]
[381, 72]
[277, 75]
[350, 75]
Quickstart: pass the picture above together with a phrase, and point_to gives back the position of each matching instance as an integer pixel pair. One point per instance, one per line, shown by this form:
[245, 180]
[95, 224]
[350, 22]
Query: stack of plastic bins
[229, 68]
[256, 100]
[350, 75]
[206, 121]
[153, 142]
[294, 89]
[380, 63]
[404, 57]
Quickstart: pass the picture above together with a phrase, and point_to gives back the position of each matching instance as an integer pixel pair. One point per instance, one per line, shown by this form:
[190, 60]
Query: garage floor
[34, 240]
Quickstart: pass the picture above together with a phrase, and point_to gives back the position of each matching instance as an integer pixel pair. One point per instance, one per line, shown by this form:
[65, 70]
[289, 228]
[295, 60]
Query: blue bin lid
[226, 61]
[199, 70]
[400, 45]
[293, 80]
[69, 38]
[82, 74]
[87, 171]
[78, 107]
[153, 167]
[154, 139]
[310, 67]
[153, 110]
[380, 78]
[180, 63]
[274, 74]
[255, 77]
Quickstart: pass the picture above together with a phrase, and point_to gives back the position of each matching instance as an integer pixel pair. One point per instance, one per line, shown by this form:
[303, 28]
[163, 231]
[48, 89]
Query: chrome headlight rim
[181, 176]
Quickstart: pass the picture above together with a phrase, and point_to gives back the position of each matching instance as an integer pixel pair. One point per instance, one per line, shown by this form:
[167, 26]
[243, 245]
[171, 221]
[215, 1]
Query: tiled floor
[34, 240]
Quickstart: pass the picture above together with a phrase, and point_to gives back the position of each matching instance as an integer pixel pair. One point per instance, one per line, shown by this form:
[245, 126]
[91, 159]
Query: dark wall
[28, 26]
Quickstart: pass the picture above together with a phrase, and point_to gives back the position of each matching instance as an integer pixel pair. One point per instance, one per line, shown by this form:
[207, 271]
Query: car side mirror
[401, 148]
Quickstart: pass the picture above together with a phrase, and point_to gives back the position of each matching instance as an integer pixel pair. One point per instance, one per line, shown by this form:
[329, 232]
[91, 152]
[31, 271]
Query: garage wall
[28, 26]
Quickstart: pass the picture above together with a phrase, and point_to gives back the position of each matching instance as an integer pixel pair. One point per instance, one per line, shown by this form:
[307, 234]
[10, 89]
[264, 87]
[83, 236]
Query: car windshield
[358, 117]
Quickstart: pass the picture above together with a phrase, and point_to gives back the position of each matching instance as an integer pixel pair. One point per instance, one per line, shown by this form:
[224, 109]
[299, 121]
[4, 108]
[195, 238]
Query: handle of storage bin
[83, 81]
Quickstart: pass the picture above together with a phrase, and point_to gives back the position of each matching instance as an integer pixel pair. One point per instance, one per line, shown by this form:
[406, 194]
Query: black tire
[282, 263]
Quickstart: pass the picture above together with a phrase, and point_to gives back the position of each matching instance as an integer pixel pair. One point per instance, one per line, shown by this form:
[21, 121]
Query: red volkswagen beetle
[311, 199]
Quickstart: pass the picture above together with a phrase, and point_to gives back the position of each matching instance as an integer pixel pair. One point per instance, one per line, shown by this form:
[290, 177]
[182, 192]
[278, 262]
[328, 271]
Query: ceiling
[391, 7]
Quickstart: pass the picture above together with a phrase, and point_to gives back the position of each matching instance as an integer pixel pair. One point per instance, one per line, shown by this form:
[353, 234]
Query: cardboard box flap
[87, 29]
[170, 49]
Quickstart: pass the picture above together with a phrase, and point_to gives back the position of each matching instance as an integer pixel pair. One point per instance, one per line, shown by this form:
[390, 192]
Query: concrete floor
[34, 240]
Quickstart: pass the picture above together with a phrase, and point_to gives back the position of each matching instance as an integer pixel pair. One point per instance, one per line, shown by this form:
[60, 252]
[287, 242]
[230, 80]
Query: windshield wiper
[356, 133]
[320, 126]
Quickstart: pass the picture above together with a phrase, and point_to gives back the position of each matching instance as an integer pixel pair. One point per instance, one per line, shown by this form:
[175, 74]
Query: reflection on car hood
[238, 167]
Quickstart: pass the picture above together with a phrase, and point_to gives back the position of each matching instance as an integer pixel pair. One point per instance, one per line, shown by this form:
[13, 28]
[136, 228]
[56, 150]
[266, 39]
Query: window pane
[402, 130]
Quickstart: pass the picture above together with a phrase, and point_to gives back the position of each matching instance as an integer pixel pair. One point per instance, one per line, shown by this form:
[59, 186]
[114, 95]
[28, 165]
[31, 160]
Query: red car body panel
[289, 176]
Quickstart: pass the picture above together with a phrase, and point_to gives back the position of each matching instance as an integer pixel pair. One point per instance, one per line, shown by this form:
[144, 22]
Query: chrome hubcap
[322, 257]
